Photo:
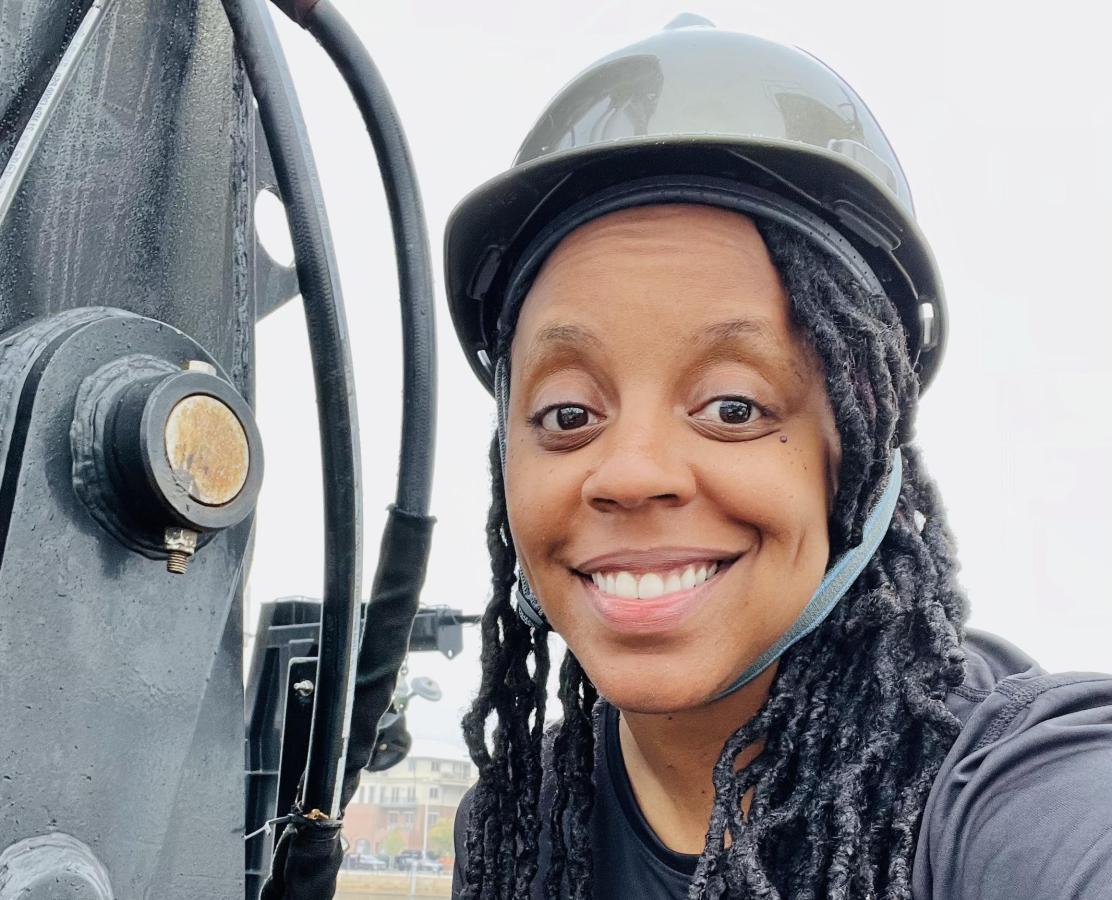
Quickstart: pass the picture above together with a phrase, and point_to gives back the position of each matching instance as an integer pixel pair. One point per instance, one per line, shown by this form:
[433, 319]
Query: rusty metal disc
[207, 449]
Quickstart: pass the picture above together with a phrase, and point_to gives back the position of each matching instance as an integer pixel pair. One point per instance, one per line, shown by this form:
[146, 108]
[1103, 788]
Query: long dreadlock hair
[855, 725]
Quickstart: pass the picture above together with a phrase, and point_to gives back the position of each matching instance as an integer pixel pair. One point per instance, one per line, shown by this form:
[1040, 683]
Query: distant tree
[394, 842]
[441, 838]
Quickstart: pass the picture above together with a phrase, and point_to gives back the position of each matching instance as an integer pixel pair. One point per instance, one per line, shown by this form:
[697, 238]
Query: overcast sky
[1003, 123]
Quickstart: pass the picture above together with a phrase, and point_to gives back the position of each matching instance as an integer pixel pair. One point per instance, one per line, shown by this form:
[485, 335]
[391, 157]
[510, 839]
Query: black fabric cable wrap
[403, 560]
[308, 856]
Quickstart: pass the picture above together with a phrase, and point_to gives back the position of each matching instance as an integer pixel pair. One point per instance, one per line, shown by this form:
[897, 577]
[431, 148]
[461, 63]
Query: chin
[649, 705]
[646, 685]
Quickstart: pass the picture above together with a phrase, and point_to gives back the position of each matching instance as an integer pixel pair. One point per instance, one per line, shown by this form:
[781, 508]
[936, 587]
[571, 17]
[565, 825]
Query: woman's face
[671, 453]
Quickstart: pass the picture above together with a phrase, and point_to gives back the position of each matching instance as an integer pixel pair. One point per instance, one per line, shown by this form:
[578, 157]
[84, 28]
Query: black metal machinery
[279, 708]
[131, 154]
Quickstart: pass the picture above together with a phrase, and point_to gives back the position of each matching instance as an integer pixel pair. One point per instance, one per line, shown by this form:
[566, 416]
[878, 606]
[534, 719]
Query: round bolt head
[304, 688]
[207, 449]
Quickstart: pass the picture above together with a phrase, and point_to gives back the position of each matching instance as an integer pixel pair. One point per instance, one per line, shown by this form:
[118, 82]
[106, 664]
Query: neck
[670, 758]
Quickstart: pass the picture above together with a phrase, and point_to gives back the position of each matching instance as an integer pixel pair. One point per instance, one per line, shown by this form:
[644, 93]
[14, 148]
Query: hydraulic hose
[407, 537]
[287, 139]
[411, 245]
[307, 857]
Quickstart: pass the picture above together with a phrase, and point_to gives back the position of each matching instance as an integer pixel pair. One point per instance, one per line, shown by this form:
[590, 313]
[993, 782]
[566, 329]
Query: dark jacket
[1020, 810]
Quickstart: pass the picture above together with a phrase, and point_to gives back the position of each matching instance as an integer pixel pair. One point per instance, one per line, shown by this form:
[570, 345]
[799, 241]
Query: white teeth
[650, 586]
[625, 585]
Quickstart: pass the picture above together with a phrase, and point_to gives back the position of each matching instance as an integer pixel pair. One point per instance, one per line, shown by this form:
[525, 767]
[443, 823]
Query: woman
[706, 313]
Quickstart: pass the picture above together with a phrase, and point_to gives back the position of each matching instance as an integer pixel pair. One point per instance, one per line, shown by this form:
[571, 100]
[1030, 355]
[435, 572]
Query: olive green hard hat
[692, 106]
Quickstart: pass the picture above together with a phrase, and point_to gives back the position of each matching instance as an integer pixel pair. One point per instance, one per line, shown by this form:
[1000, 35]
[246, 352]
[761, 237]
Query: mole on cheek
[783, 439]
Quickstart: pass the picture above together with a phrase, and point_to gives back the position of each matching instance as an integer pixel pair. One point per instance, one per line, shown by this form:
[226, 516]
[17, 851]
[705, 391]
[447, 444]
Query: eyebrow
[559, 341]
[752, 340]
[730, 330]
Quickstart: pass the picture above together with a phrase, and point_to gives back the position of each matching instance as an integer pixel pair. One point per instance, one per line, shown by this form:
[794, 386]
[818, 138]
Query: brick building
[412, 798]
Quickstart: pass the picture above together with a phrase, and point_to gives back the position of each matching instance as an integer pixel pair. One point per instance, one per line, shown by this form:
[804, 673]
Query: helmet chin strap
[838, 579]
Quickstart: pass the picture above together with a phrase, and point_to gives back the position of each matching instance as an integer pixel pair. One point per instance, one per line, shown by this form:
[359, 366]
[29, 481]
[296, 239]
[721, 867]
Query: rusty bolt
[180, 544]
[303, 688]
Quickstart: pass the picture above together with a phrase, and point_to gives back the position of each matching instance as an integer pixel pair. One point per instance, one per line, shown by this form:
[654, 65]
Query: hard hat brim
[492, 225]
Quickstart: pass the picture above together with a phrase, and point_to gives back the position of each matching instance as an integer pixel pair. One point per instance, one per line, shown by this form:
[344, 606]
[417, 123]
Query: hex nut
[180, 544]
[183, 539]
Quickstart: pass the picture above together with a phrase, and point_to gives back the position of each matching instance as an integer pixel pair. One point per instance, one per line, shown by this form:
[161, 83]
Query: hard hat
[696, 106]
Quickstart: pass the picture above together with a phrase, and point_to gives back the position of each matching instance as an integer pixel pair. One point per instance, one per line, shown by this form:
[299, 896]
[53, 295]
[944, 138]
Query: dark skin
[669, 435]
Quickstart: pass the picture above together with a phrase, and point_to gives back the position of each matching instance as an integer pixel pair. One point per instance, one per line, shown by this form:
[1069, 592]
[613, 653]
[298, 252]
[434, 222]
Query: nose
[640, 465]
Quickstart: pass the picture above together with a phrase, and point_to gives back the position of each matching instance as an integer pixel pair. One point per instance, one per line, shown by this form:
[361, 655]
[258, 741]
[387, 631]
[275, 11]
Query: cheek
[539, 493]
[780, 488]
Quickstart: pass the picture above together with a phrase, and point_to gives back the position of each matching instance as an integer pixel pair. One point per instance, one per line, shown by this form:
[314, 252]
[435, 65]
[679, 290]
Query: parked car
[410, 859]
[365, 862]
[406, 859]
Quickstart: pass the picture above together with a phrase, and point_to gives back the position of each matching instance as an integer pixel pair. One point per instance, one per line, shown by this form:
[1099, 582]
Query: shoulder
[1007, 698]
[1022, 805]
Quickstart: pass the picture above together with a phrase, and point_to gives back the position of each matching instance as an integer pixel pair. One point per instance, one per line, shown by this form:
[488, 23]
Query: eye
[565, 417]
[731, 411]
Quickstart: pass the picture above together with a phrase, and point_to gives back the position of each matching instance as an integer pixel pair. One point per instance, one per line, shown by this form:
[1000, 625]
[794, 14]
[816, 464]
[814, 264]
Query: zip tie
[268, 827]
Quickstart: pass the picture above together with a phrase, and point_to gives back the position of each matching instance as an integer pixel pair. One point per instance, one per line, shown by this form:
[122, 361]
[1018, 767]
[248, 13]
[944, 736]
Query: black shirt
[1021, 808]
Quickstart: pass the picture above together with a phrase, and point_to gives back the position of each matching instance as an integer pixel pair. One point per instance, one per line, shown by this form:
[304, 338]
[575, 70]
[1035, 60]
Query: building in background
[411, 806]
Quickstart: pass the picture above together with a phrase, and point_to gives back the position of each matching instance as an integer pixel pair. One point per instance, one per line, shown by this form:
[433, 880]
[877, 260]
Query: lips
[654, 559]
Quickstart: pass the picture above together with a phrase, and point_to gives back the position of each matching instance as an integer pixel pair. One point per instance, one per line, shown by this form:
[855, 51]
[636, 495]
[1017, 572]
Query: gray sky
[1003, 122]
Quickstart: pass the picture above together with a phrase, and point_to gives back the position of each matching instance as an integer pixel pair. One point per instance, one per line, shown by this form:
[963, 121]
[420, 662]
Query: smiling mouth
[653, 585]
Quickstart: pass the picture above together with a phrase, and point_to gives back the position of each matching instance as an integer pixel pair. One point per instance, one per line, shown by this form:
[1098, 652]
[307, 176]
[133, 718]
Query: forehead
[677, 271]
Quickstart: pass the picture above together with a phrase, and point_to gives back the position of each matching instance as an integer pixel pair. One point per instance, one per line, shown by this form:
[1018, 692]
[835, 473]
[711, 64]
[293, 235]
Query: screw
[199, 365]
[303, 688]
[180, 544]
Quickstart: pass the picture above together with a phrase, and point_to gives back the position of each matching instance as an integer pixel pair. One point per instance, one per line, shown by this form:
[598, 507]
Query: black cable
[335, 388]
[308, 856]
[411, 243]
[406, 540]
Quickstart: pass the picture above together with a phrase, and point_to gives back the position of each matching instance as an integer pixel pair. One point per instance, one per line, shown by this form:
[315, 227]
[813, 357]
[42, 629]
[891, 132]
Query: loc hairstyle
[855, 726]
